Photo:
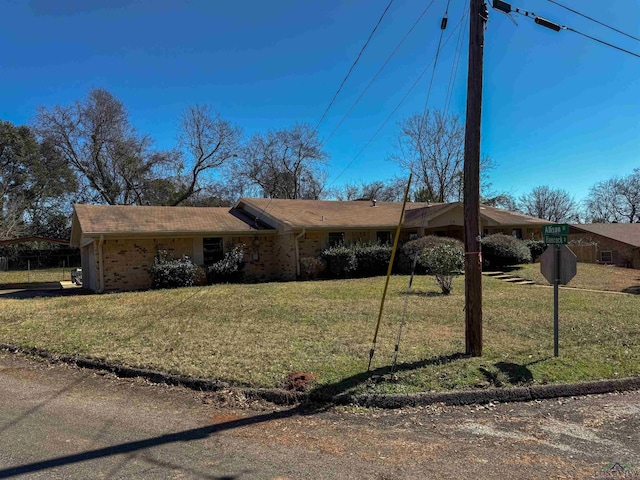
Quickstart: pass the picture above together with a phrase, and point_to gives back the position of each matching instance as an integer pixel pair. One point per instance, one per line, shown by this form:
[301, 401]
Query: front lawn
[590, 276]
[34, 276]
[254, 335]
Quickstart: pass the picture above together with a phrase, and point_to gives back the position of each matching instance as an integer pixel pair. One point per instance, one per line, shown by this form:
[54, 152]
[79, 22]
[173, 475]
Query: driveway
[58, 421]
[40, 289]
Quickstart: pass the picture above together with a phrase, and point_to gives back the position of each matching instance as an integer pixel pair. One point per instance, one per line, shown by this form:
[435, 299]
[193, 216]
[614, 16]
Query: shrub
[444, 260]
[228, 270]
[500, 250]
[172, 273]
[341, 261]
[536, 247]
[310, 267]
[423, 244]
[372, 259]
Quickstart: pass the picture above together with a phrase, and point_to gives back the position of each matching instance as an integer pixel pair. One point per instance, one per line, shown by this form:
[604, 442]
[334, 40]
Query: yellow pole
[386, 283]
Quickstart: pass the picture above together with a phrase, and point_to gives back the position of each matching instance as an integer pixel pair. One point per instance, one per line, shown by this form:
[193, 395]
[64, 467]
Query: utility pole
[473, 258]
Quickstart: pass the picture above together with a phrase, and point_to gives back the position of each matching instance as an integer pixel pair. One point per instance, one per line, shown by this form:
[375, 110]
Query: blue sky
[559, 109]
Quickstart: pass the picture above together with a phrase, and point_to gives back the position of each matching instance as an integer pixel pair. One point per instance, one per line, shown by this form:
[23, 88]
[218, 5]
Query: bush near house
[168, 272]
[228, 270]
[372, 259]
[445, 261]
[310, 267]
[357, 260]
[420, 246]
[536, 247]
[501, 250]
[341, 261]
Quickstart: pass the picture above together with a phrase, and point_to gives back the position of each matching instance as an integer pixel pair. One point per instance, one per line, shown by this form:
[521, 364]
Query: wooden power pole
[473, 258]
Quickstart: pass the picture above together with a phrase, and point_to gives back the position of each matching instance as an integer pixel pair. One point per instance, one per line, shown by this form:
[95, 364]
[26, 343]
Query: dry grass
[590, 276]
[40, 275]
[256, 334]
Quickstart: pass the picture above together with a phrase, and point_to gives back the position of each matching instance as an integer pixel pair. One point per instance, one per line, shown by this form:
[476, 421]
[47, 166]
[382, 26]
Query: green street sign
[555, 234]
[556, 239]
[557, 229]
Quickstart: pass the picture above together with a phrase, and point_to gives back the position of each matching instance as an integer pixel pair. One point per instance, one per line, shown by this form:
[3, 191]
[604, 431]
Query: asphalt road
[58, 421]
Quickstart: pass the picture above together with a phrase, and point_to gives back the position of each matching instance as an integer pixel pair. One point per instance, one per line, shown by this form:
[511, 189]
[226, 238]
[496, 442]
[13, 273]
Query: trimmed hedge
[357, 260]
[341, 261]
[445, 261]
[421, 245]
[372, 259]
[172, 273]
[500, 250]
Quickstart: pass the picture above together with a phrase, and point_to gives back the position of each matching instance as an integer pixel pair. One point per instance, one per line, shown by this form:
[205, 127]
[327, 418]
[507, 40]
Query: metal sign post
[556, 288]
[558, 265]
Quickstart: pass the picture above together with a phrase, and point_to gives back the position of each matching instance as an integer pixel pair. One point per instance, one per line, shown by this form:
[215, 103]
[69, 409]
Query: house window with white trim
[516, 232]
[606, 257]
[212, 250]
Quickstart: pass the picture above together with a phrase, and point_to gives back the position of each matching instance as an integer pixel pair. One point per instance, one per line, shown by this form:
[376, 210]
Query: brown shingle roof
[496, 216]
[506, 217]
[109, 219]
[326, 213]
[628, 233]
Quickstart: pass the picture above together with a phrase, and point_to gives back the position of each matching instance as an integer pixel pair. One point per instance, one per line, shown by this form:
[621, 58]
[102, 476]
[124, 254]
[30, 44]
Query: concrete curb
[285, 397]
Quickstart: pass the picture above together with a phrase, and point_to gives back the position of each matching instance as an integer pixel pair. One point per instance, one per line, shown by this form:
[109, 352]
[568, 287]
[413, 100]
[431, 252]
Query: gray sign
[567, 264]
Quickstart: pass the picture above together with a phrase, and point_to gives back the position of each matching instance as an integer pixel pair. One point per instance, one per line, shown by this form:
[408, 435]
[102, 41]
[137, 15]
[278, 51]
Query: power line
[594, 20]
[454, 70]
[557, 27]
[344, 117]
[404, 98]
[344, 80]
[353, 65]
[602, 42]
[443, 26]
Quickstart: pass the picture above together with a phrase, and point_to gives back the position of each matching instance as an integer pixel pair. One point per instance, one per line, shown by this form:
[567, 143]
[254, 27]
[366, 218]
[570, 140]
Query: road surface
[58, 421]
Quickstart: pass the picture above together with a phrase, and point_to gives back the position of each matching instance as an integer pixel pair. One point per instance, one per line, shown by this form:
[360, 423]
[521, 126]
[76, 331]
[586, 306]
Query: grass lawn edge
[318, 398]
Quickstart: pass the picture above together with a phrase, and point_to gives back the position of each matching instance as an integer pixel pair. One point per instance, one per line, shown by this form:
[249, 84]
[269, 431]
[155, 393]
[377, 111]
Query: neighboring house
[119, 243]
[608, 243]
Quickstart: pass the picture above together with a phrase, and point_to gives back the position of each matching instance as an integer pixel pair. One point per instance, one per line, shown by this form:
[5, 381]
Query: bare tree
[284, 163]
[384, 191]
[116, 165]
[555, 205]
[94, 136]
[615, 200]
[432, 147]
[505, 201]
[210, 143]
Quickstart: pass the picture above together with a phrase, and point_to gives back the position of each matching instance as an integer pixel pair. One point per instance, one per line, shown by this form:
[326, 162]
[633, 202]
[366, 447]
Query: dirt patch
[299, 381]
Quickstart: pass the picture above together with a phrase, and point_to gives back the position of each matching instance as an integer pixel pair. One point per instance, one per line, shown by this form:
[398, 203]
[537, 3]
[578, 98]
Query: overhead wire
[443, 26]
[558, 27]
[454, 68]
[602, 42]
[404, 98]
[595, 20]
[373, 79]
[344, 80]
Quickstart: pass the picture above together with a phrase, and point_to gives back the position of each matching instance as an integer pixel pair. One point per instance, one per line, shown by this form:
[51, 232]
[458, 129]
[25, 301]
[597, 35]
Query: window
[485, 232]
[440, 233]
[212, 249]
[413, 236]
[516, 232]
[606, 257]
[336, 238]
[383, 238]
